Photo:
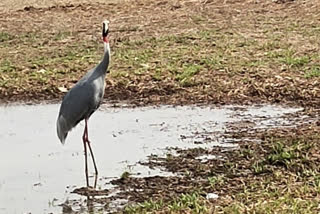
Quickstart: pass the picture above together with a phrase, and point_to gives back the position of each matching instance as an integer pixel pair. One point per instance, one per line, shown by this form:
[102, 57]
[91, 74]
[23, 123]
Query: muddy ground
[186, 52]
[271, 170]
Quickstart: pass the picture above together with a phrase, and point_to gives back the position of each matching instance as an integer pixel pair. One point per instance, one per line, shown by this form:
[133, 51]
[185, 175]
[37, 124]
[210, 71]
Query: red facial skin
[106, 39]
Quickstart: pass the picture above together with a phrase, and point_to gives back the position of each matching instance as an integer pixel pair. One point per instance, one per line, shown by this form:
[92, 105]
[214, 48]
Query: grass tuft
[280, 155]
[314, 72]
[4, 36]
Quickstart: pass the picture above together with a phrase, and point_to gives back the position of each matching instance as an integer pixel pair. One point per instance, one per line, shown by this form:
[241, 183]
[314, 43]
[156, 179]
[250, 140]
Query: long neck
[103, 65]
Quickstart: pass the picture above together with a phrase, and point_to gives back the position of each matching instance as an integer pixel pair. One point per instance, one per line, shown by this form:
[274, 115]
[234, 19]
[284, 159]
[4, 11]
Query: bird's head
[105, 31]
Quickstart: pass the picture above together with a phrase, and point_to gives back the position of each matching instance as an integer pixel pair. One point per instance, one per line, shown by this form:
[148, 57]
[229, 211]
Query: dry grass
[167, 51]
[280, 174]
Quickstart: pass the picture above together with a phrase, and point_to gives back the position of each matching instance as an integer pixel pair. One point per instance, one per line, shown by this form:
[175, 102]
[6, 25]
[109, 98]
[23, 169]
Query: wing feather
[75, 107]
[80, 102]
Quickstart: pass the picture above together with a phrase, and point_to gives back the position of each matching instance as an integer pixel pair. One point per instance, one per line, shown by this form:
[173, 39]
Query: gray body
[83, 98]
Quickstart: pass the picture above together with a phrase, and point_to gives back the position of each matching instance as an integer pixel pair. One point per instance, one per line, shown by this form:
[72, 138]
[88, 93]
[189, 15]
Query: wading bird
[83, 99]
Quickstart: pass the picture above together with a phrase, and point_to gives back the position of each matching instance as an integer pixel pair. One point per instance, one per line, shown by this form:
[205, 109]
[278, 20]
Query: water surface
[38, 173]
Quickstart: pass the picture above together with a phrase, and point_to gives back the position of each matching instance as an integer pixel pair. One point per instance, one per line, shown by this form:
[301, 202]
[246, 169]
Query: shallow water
[38, 173]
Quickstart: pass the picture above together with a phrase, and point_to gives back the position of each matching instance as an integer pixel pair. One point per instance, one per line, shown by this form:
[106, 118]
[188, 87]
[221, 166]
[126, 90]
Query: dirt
[137, 21]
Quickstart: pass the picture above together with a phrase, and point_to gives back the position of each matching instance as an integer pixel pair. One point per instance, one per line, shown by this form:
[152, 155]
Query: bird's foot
[91, 189]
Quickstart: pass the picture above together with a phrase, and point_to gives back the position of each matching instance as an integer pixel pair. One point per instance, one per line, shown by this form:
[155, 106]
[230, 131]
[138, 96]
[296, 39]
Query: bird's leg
[94, 164]
[84, 138]
[92, 156]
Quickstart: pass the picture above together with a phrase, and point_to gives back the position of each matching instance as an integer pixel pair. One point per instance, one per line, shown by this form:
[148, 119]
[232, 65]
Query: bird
[83, 99]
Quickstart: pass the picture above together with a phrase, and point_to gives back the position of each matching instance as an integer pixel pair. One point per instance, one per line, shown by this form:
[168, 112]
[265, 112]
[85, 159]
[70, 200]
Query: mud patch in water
[38, 174]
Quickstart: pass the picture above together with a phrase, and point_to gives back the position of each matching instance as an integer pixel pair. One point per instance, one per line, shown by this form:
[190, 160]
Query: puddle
[38, 173]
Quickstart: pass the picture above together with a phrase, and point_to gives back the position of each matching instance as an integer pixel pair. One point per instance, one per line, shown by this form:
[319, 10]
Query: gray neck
[103, 65]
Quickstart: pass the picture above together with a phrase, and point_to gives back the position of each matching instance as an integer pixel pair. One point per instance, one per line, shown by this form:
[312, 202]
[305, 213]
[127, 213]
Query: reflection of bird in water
[83, 99]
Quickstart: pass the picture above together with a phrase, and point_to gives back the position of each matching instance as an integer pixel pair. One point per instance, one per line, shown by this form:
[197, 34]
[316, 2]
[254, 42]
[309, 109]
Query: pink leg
[84, 137]
[92, 156]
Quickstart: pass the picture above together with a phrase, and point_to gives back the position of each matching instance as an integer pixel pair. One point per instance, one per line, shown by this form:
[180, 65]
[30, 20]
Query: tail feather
[62, 128]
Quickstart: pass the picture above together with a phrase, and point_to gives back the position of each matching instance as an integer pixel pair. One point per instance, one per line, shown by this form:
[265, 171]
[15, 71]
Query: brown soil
[139, 20]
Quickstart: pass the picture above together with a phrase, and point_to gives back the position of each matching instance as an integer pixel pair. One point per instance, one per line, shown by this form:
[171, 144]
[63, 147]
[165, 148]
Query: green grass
[280, 154]
[216, 180]
[290, 184]
[7, 66]
[258, 167]
[284, 204]
[186, 203]
[125, 175]
[179, 60]
[189, 71]
[4, 36]
[193, 203]
[145, 207]
[274, 195]
[211, 59]
[280, 175]
[291, 60]
[314, 72]
[62, 35]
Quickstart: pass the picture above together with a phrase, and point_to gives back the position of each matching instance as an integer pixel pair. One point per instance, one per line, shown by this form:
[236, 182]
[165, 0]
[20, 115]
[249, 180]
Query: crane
[83, 99]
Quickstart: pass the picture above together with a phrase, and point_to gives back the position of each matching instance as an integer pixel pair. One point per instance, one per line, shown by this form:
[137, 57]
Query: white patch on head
[106, 25]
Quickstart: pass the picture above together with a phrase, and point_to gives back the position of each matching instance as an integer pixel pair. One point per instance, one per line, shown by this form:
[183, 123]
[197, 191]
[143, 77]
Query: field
[186, 52]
